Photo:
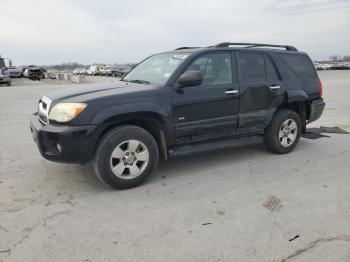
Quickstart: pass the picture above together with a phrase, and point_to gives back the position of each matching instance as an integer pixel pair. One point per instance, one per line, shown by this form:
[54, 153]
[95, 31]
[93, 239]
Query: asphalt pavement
[240, 204]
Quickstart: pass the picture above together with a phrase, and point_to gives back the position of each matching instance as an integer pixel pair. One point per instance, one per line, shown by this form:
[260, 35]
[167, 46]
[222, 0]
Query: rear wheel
[126, 156]
[9, 83]
[283, 133]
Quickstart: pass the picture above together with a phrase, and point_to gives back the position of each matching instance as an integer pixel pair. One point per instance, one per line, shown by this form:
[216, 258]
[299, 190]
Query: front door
[209, 110]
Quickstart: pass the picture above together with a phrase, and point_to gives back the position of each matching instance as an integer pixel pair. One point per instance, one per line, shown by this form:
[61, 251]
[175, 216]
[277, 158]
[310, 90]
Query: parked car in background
[79, 71]
[91, 70]
[83, 71]
[322, 66]
[4, 74]
[33, 72]
[332, 65]
[341, 66]
[14, 72]
[121, 70]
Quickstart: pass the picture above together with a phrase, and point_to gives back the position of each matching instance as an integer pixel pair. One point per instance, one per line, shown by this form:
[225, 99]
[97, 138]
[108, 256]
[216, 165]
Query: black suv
[180, 102]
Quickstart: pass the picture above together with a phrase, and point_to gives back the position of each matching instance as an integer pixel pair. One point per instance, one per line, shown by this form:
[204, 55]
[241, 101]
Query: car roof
[227, 46]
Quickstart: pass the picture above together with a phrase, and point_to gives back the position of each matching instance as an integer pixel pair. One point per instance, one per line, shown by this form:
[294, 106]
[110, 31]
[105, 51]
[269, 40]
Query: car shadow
[179, 166]
[205, 161]
[185, 165]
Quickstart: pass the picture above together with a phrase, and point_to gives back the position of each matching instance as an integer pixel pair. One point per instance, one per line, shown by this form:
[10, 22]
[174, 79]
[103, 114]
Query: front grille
[43, 109]
[42, 119]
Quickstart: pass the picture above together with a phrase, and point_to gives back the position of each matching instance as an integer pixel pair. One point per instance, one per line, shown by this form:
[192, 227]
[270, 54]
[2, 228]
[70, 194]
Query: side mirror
[10, 63]
[190, 78]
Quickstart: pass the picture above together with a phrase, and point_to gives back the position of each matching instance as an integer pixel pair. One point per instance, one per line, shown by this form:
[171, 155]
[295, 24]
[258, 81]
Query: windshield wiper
[138, 81]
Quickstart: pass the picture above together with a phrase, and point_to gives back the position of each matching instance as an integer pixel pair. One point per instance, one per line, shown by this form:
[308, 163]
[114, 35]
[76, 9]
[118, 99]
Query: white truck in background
[94, 70]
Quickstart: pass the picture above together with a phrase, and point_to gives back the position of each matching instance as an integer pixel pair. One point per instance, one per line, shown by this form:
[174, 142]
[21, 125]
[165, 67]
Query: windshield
[156, 69]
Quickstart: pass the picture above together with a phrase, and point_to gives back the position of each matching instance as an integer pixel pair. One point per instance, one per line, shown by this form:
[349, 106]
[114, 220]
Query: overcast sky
[114, 31]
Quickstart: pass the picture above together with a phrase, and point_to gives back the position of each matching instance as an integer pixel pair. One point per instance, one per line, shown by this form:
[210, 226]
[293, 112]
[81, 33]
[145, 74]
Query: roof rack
[185, 47]
[249, 45]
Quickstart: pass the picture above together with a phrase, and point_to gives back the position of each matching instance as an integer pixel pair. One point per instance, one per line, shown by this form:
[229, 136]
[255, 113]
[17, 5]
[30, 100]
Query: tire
[283, 133]
[9, 83]
[122, 163]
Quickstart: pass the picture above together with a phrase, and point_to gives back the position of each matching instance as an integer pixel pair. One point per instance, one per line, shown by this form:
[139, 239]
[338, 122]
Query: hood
[92, 91]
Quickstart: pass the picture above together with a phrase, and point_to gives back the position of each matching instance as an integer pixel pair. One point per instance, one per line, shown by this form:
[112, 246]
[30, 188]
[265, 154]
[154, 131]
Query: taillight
[320, 86]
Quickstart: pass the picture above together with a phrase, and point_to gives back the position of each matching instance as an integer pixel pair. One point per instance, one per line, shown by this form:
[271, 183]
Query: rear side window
[252, 66]
[300, 65]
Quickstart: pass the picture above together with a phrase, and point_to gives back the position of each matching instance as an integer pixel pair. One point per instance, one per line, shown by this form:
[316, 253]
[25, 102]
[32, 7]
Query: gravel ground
[242, 204]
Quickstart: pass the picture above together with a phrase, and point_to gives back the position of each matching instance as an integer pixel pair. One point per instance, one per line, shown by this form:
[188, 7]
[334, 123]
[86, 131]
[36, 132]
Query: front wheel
[126, 156]
[283, 133]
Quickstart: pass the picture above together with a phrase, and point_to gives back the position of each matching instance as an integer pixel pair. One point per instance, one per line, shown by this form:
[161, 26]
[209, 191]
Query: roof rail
[249, 45]
[185, 47]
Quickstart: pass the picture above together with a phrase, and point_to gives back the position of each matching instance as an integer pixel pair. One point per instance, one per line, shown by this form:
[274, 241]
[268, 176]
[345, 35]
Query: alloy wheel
[129, 159]
[288, 132]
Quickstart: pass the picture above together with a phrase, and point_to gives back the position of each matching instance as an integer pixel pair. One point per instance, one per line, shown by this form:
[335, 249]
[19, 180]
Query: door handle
[274, 87]
[231, 92]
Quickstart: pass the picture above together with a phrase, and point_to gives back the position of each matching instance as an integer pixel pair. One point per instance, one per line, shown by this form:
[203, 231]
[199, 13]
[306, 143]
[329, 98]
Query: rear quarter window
[300, 65]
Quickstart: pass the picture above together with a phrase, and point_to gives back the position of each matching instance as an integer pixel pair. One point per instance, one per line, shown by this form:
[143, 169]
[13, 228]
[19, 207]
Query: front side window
[216, 69]
[252, 66]
[157, 68]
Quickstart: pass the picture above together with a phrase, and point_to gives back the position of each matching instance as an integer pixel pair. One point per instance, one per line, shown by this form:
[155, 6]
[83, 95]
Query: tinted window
[299, 64]
[252, 66]
[216, 69]
[270, 70]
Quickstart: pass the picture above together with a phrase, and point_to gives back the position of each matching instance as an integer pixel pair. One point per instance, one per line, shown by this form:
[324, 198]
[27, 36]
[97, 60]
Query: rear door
[260, 90]
[209, 110]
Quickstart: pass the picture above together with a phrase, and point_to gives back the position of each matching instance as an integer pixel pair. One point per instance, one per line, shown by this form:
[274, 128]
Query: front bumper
[15, 74]
[316, 110]
[77, 143]
[4, 79]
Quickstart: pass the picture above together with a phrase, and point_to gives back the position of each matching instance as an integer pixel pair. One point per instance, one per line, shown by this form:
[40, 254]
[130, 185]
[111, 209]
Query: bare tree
[334, 58]
[65, 66]
[346, 58]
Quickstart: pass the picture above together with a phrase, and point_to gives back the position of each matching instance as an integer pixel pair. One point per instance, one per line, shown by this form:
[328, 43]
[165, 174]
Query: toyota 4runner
[180, 102]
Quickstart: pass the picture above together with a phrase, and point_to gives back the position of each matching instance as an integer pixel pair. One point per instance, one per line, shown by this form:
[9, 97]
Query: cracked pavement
[241, 204]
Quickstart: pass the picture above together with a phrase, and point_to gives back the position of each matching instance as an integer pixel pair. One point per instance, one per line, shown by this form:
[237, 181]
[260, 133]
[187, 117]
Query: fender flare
[296, 96]
[138, 111]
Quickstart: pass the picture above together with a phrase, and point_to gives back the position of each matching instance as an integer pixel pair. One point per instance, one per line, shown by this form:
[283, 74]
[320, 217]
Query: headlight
[64, 112]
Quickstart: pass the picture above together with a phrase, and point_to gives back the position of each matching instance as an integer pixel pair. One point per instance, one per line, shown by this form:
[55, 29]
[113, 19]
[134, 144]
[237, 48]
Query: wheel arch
[296, 100]
[156, 124]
